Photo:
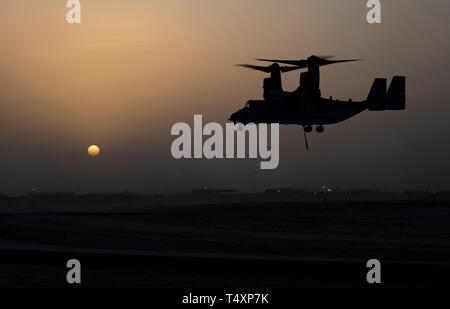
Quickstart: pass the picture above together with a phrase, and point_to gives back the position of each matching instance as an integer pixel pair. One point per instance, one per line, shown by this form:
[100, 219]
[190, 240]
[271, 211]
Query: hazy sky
[133, 68]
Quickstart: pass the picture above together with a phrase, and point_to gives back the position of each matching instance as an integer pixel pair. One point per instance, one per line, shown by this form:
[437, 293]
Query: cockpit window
[248, 104]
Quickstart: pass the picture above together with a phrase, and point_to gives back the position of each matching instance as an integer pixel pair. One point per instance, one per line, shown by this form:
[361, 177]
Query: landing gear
[309, 129]
[306, 129]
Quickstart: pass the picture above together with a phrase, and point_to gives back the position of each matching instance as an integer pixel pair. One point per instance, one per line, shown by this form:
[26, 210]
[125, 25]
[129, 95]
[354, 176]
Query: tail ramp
[393, 99]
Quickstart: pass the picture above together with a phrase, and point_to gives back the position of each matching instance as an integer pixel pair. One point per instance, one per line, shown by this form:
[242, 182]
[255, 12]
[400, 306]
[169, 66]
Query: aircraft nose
[233, 117]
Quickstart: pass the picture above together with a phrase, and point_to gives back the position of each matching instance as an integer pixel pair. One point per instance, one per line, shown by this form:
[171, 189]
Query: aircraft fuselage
[287, 109]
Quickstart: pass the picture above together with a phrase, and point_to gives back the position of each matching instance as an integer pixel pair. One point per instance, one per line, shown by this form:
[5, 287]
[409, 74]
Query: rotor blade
[325, 56]
[299, 63]
[267, 69]
[321, 61]
[255, 67]
[326, 62]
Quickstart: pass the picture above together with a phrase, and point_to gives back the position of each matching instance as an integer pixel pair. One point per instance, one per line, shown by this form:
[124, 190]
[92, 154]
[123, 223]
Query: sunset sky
[133, 68]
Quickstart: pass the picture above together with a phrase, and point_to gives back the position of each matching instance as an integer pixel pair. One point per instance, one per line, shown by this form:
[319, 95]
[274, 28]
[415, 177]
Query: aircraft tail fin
[377, 94]
[396, 98]
[393, 99]
[378, 89]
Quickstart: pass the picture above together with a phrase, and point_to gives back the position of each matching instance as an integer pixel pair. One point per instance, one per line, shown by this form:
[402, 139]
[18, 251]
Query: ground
[267, 245]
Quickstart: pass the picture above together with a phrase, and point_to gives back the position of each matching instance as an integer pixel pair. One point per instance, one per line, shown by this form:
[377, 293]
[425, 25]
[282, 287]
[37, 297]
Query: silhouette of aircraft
[305, 106]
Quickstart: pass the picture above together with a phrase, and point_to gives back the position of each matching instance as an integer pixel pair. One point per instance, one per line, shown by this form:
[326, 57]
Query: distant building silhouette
[207, 191]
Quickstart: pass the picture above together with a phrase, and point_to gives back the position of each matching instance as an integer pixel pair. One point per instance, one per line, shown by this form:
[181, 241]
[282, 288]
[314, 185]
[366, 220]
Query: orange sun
[94, 151]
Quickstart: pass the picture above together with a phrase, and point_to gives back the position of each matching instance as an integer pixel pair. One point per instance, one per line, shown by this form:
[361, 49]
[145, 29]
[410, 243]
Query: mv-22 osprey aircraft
[305, 106]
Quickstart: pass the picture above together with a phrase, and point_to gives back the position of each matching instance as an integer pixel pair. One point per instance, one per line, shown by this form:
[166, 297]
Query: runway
[285, 245]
